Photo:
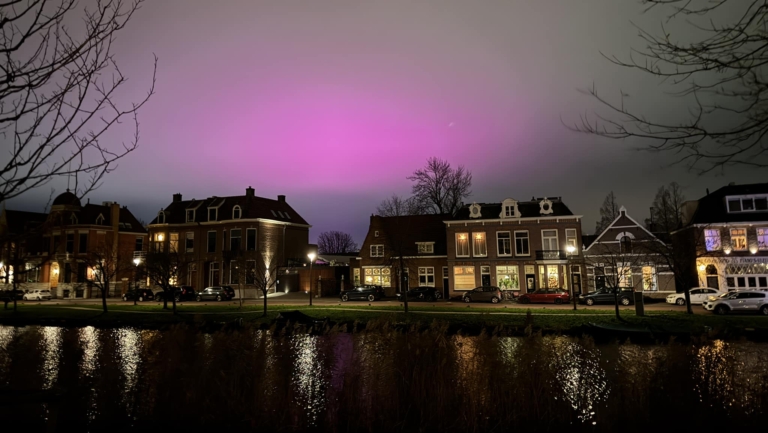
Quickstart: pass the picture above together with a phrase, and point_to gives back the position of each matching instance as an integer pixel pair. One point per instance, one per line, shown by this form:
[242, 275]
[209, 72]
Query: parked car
[743, 301]
[183, 293]
[542, 296]
[483, 293]
[217, 293]
[421, 294]
[713, 298]
[38, 294]
[140, 295]
[698, 295]
[606, 296]
[12, 294]
[365, 292]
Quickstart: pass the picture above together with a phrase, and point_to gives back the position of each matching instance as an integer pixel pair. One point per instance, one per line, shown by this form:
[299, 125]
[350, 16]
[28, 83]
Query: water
[129, 379]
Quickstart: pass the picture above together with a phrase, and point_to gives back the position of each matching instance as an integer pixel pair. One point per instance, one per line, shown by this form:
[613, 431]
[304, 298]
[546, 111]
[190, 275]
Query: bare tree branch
[439, 188]
[335, 242]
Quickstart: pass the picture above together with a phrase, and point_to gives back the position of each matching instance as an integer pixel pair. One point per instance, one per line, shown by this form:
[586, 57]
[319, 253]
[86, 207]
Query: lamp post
[571, 249]
[136, 262]
[311, 260]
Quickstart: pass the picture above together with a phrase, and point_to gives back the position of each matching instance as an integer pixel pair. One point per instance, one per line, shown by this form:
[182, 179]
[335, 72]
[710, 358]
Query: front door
[576, 284]
[445, 288]
[530, 282]
[713, 282]
[486, 280]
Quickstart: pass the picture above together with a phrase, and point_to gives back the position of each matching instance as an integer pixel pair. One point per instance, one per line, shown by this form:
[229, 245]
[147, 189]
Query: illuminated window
[504, 243]
[712, 239]
[739, 239]
[649, 278]
[549, 276]
[378, 276]
[427, 277]
[173, 242]
[625, 275]
[479, 248]
[462, 244]
[570, 238]
[463, 277]
[762, 239]
[507, 277]
[356, 273]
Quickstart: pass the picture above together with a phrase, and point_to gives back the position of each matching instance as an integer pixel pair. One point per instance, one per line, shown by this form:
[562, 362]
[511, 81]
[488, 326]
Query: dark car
[183, 293]
[483, 293]
[545, 296]
[140, 295]
[366, 293]
[422, 294]
[607, 296]
[217, 293]
[12, 294]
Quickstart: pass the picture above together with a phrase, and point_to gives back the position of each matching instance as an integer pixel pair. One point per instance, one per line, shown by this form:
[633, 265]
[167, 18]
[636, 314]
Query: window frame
[499, 253]
[479, 240]
[527, 240]
[215, 214]
[239, 238]
[377, 250]
[248, 237]
[545, 246]
[426, 272]
[466, 240]
[744, 235]
[574, 238]
[762, 239]
[239, 211]
[211, 242]
[715, 247]
[189, 242]
[190, 212]
[429, 247]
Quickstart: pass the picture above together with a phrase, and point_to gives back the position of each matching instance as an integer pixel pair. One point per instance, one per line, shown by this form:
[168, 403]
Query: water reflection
[89, 343]
[308, 377]
[51, 343]
[580, 376]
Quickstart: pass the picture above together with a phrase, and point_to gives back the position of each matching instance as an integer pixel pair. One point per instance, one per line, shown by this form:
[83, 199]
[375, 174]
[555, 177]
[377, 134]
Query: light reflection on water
[579, 375]
[308, 377]
[51, 342]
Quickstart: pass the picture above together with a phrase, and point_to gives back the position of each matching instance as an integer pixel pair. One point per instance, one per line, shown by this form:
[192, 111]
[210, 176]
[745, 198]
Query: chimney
[177, 197]
[281, 198]
[249, 192]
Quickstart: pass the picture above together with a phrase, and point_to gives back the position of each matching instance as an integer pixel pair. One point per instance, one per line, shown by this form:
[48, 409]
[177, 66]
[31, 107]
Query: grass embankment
[459, 318]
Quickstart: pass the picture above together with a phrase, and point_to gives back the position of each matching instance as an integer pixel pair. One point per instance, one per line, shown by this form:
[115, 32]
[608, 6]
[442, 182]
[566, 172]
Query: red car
[545, 296]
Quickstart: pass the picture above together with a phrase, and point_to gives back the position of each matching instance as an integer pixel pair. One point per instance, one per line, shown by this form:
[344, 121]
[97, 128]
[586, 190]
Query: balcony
[139, 255]
[551, 255]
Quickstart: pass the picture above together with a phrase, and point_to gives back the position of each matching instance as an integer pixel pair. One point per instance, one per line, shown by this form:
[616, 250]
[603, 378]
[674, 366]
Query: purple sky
[333, 103]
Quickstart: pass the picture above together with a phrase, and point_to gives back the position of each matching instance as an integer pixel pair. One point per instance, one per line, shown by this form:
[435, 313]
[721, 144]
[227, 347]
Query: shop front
[733, 273]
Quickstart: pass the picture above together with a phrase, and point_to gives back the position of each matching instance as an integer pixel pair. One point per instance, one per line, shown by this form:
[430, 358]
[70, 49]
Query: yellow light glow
[479, 236]
[753, 249]
[727, 251]
[311, 257]
[462, 237]
[160, 237]
[702, 268]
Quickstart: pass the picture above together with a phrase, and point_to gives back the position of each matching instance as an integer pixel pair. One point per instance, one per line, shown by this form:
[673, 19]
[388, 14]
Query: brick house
[516, 245]
[56, 246]
[725, 238]
[412, 246]
[215, 233]
[627, 248]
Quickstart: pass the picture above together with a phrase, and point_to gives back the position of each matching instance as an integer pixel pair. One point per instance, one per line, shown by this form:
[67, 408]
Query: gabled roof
[527, 209]
[411, 229]
[252, 207]
[713, 208]
[621, 223]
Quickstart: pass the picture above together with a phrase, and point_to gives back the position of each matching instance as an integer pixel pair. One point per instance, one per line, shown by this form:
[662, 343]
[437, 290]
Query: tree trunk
[173, 300]
[165, 299]
[616, 301]
[265, 304]
[104, 298]
[687, 294]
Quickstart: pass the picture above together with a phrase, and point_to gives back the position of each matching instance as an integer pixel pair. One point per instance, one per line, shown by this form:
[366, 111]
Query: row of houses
[514, 244]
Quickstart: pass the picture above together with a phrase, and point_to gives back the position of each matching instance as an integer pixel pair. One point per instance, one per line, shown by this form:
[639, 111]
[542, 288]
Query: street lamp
[311, 260]
[136, 262]
[571, 249]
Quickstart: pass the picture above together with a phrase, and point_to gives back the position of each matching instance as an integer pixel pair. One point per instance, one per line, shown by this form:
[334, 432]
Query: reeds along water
[380, 379]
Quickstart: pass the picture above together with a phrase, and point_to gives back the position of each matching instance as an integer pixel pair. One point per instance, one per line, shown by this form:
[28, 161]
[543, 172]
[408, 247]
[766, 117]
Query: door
[713, 282]
[696, 296]
[741, 303]
[576, 284]
[486, 279]
[755, 301]
[599, 282]
[530, 282]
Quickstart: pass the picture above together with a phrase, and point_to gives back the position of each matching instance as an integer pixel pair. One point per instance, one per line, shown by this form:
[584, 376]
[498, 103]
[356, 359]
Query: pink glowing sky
[333, 103]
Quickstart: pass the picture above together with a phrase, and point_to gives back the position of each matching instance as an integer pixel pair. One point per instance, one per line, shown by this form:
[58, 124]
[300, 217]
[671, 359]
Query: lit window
[357, 276]
[479, 248]
[712, 239]
[462, 244]
[649, 278]
[463, 277]
[762, 239]
[508, 277]
[173, 242]
[504, 243]
[377, 250]
[625, 275]
[427, 277]
[549, 276]
[739, 239]
[378, 276]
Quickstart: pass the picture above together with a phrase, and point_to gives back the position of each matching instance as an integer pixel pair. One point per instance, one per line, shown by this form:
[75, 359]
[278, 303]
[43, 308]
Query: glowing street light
[136, 262]
[311, 260]
[570, 249]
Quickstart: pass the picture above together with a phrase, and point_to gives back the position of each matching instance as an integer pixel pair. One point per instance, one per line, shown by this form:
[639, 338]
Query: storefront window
[508, 277]
[378, 276]
[463, 277]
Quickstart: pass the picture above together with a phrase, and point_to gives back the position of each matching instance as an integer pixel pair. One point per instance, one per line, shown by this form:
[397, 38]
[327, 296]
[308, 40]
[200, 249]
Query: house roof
[127, 221]
[252, 207]
[19, 221]
[411, 229]
[712, 208]
[527, 209]
[617, 228]
[66, 199]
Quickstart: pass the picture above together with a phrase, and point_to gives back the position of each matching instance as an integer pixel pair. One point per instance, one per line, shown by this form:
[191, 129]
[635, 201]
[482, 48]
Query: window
[712, 239]
[762, 239]
[100, 220]
[747, 204]
[67, 273]
[570, 238]
[250, 272]
[549, 240]
[234, 240]
[521, 244]
[761, 203]
[73, 219]
[463, 277]
[462, 244]
[427, 277]
[192, 274]
[213, 274]
[250, 239]
[626, 245]
[479, 248]
[70, 242]
[213, 212]
[739, 239]
[189, 243]
[549, 276]
[82, 272]
[234, 272]
[161, 217]
[649, 278]
[139, 243]
[376, 233]
[507, 277]
[190, 215]
[32, 272]
[173, 242]
[158, 245]
[426, 247]
[236, 212]
[504, 243]
[212, 242]
[356, 276]
[625, 275]
[378, 276]
[82, 244]
[377, 250]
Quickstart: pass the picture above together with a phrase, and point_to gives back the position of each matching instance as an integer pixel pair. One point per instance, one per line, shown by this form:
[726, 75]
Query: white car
[38, 295]
[741, 301]
[698, 296]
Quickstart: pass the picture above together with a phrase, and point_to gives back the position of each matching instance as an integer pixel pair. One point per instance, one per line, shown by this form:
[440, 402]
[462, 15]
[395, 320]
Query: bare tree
[259, 268]
[667, 209]
[609, 211]
[719, 74]
[164, 268]
[107, 264]
[396, 206]
[335, 242]
[440, 188]
[58, 88]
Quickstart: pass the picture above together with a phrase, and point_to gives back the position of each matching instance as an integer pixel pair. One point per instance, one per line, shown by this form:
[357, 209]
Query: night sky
[333, 103]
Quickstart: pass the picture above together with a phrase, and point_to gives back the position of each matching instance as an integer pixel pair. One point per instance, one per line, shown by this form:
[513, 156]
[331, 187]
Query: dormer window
[100, 220]
[161, 217]
[213, 213]
[73, 219]
[545, 206]
[509, 209]
[426, 247]
[748, 204]
[190, 215]
[474, 211]
[236, 212]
